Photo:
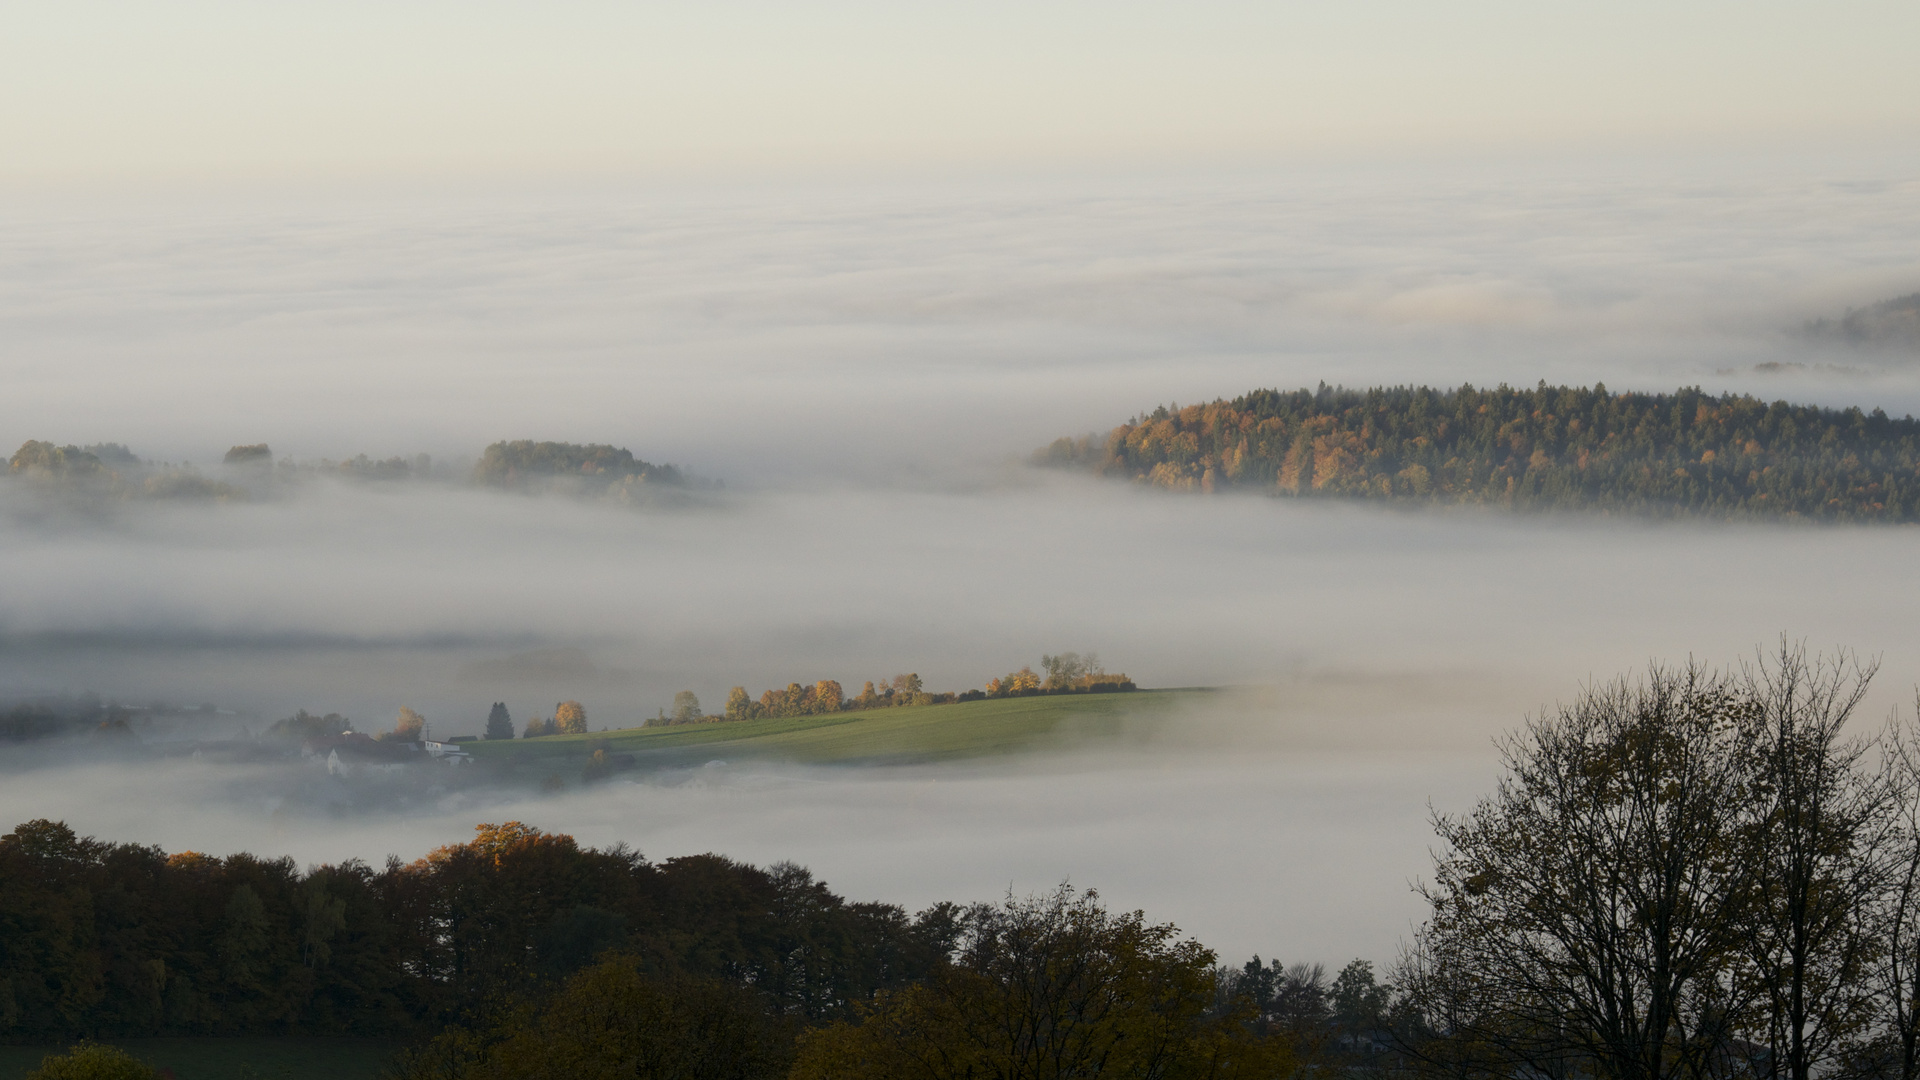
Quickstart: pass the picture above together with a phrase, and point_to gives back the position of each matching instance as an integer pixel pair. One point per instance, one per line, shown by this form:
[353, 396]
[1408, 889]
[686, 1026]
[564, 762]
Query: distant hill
[1551, 447]
[110, 469]
[523, 461]
[1891, 323]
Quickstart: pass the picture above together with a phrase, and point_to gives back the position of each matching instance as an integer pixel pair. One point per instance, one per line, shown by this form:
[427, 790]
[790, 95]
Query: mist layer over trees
[250, 471]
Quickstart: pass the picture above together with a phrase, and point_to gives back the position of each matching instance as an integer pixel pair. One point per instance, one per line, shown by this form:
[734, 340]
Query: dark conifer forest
[1687, 453]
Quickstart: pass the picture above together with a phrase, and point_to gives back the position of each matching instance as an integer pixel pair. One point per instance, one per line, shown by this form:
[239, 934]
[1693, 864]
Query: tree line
[1550, 447]
[109, 469]
[569, 718]
[115, 940]
[112, 470]
[1067, 673]
[522, 954]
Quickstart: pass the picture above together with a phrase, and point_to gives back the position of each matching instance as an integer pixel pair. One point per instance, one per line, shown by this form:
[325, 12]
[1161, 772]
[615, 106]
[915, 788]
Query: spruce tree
[499, 724]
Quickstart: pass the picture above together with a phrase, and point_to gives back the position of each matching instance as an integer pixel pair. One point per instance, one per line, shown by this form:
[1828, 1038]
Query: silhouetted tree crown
[499, 722]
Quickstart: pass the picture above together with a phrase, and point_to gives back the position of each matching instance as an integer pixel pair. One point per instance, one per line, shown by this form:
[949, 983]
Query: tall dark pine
[499, 724]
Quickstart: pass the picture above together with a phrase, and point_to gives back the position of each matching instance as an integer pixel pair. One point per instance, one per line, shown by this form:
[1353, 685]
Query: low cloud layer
[1380, 651]
[904, 333]
[865, 370]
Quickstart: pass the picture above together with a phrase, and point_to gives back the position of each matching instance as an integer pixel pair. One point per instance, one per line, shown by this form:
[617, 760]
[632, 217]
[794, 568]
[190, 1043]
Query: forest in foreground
[1689, 875]
[1687, 453]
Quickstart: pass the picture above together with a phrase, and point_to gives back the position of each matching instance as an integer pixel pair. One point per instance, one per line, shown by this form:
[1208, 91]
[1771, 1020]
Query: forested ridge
[1550, 447]
[523, 954]
[104, 939]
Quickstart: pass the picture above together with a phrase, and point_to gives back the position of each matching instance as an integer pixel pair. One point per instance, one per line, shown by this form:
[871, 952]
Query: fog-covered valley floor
[866, 371]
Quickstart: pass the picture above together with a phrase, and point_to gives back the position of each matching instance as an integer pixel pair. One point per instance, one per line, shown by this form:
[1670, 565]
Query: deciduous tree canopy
[510, 464]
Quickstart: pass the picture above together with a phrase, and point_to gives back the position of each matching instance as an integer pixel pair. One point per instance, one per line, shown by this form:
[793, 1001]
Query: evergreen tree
[499, 723]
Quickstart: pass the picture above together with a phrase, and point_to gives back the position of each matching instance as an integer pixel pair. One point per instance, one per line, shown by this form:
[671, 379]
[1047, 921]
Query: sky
[855, 262]
[128, 95]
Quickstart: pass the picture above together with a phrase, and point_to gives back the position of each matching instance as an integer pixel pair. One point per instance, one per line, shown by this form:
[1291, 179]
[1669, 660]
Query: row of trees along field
[569, 718]
[1551, 447]
[1067, 673]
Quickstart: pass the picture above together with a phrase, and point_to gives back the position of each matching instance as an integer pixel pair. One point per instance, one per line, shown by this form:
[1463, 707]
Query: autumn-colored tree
[795, 700]
[907, 685]
[570, 718]
[408, 726]
[827, 696]
[536, 728]
[739, 705]
[1024, 681]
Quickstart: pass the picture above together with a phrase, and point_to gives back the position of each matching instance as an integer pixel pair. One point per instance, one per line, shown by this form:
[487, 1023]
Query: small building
[447, 752]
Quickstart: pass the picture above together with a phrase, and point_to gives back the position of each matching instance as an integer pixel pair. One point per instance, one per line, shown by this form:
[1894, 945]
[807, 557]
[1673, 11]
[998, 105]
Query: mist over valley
[338, 458]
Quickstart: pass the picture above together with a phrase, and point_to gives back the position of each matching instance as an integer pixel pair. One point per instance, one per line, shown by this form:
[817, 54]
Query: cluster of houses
[354, 753]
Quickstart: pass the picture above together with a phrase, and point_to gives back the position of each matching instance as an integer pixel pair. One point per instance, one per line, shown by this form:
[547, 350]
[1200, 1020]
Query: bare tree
[1897, 987]
[1820, 835]
[1583, 915]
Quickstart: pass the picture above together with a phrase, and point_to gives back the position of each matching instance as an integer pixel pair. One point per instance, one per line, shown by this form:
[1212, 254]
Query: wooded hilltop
[1688, 453]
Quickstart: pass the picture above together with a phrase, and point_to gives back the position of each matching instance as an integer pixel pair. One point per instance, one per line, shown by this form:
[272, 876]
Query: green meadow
[901, 735]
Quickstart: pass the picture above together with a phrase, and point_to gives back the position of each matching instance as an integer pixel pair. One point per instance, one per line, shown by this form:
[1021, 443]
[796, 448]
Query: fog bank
[901, 333]
[865, 369]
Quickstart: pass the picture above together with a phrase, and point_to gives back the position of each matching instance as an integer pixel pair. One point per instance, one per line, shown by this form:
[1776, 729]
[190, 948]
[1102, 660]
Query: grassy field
[908, 734]
[234, 1059]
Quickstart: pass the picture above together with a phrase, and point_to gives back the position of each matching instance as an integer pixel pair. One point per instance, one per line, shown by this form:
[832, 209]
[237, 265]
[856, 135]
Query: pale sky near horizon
[205, 91]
